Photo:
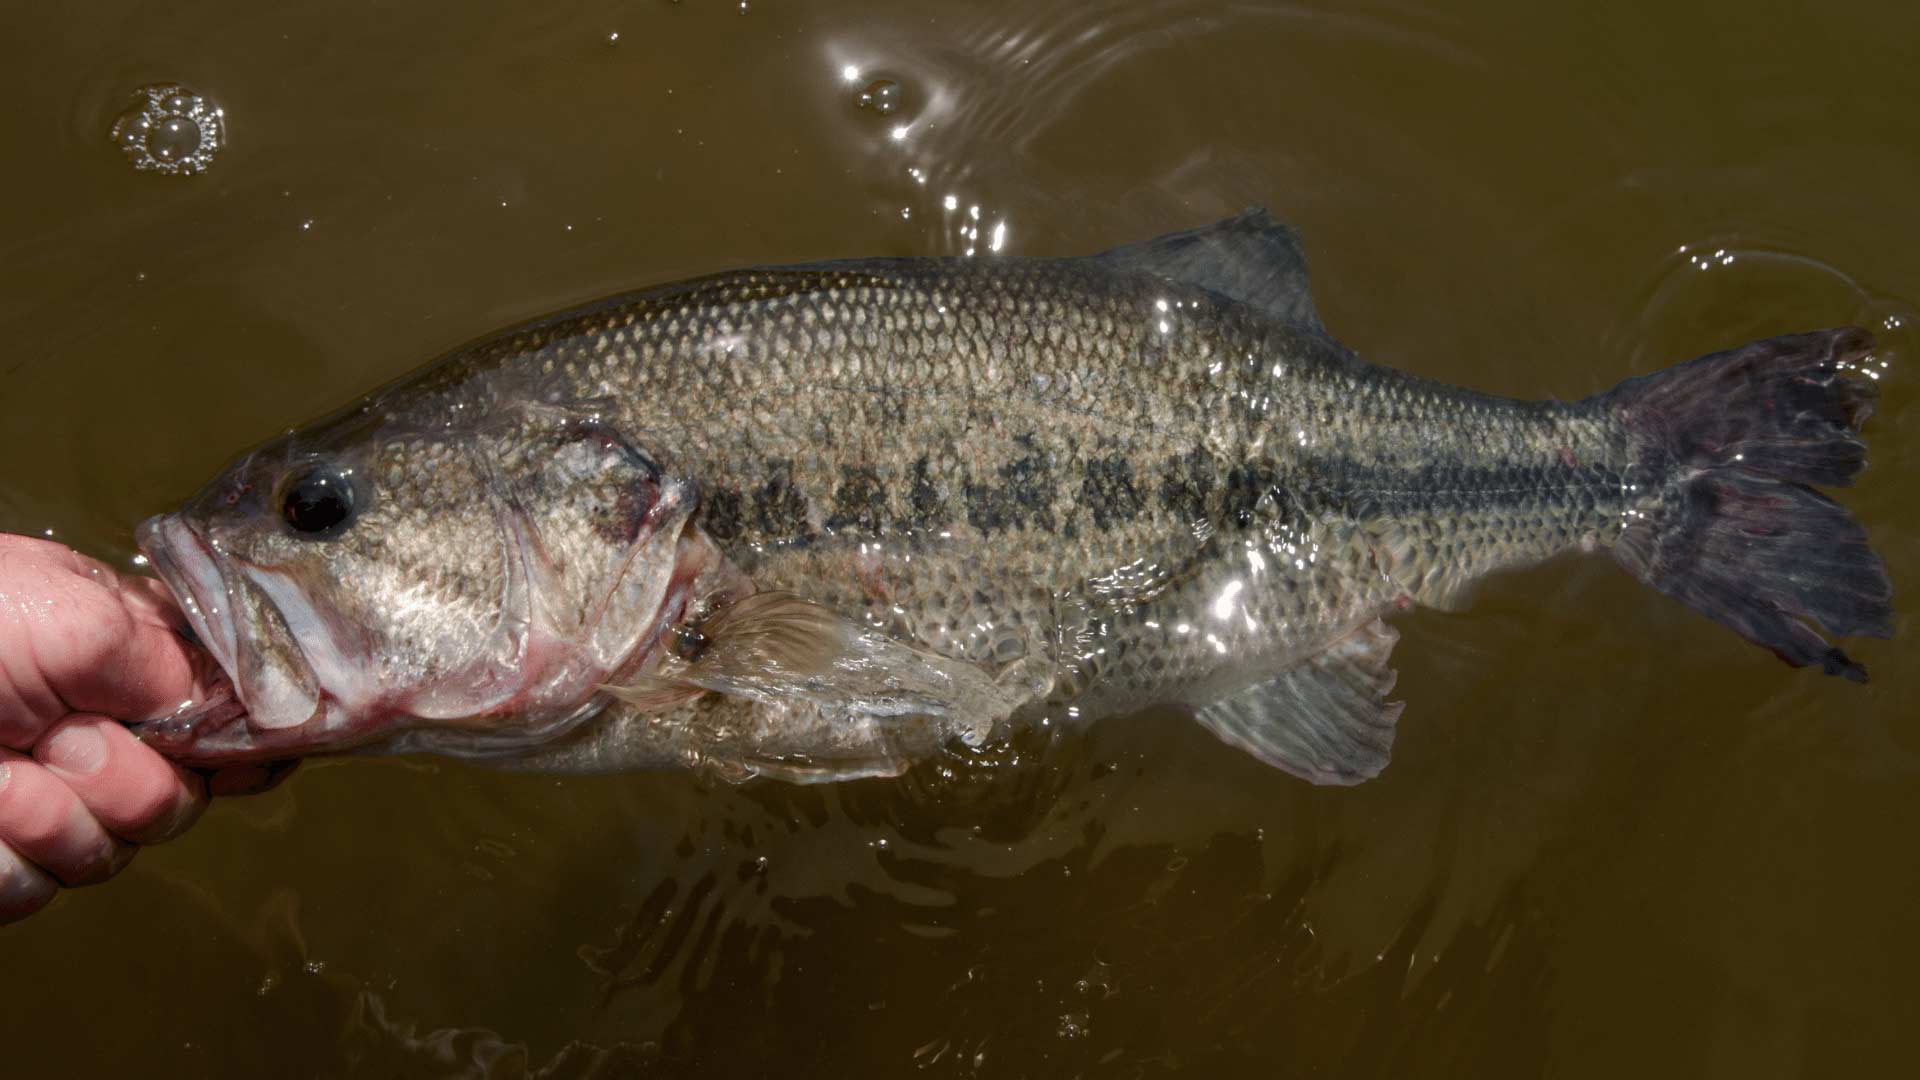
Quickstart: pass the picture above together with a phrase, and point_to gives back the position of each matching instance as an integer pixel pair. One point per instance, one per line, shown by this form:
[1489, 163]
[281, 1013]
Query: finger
[49, 590]
[74, 636]
[126, 662]
[42, 819]
[250, 779]
[150, 601]
[24, 887]
[137, 794]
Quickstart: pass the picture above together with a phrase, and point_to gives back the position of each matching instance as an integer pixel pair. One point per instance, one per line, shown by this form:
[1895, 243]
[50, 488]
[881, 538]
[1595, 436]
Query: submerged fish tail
[1723, 515]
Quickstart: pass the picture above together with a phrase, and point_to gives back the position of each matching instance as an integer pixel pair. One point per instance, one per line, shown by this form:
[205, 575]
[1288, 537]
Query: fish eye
[316, 501]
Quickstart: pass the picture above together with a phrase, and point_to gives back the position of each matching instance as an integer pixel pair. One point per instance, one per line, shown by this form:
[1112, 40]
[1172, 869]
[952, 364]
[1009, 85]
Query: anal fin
[1325, 720]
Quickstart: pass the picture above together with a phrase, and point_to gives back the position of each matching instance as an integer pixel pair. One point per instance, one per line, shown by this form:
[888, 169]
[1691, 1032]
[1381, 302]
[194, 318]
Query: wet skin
[80, 649]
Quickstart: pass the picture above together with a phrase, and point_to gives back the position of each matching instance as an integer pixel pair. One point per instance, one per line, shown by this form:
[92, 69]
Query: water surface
[1614, 838]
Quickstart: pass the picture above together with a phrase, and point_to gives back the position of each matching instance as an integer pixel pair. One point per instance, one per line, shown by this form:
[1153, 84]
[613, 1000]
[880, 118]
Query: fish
[824, 521]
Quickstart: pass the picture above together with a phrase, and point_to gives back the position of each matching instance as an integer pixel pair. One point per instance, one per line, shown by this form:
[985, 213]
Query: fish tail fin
[1726, 519]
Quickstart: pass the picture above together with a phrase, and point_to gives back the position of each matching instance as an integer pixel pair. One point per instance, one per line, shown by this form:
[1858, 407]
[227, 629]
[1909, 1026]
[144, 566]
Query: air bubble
[170, 130]
[880, 95]
[131, 131]
[174, 139]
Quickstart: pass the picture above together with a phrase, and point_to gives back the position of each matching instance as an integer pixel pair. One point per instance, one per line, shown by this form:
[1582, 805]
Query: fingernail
[23, 888]
[122, 855]
[5, 772]
[78, 749]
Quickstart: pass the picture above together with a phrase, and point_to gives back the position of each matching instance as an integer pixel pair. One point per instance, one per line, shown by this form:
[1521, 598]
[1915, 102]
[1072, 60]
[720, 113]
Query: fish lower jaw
[219, 733]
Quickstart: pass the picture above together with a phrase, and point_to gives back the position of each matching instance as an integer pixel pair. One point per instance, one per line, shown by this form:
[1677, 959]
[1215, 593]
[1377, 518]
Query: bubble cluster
[906, 101]
[1703, 261]
[170, 130]
[880, 95]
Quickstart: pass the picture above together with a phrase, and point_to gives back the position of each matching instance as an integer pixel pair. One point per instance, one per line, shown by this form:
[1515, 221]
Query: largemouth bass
[819, 521]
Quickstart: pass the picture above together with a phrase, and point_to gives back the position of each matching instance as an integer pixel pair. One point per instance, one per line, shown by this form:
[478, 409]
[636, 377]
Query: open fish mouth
[216, 727]
[185, 563]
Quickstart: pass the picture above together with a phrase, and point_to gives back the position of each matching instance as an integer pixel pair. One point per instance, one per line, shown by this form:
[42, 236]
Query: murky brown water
[1615, 839]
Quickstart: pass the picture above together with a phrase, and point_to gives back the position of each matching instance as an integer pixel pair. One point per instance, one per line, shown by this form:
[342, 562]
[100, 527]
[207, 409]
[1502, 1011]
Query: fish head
[451, 582]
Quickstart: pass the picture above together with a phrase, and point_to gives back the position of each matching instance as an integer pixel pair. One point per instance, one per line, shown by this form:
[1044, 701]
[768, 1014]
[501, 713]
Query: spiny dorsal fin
[1326, 720]
[1248, 257]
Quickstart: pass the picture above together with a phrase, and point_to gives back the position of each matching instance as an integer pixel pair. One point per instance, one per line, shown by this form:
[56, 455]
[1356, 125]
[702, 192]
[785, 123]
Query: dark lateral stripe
[1449, 485]
[723, 513]
[859, 501]
[1110, 491]
[1107, 492]
[779, 505]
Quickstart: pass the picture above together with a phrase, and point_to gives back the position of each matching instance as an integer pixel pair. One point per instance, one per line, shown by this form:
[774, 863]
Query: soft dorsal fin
[1248, 257]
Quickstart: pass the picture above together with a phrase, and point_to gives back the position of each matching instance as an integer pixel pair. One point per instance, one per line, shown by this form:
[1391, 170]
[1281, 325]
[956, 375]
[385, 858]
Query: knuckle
[161, 810]
[149, 803]
[31, 815]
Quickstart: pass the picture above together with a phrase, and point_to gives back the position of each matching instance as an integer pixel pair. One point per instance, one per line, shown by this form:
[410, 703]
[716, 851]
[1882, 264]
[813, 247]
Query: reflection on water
[1611, 835]
[1720, 285]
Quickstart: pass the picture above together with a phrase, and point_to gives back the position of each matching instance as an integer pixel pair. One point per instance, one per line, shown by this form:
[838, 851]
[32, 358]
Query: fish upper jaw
[186, 564]
[255, 708]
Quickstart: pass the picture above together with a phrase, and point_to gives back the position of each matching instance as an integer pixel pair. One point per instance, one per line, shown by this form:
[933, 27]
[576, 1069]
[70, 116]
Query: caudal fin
[1727, 522]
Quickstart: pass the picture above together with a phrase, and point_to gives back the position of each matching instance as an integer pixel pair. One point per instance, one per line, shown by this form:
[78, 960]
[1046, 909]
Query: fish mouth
[186, 565]
[217, 726]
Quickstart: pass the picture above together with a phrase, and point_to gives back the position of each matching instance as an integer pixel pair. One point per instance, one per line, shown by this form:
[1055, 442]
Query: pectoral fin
[782, 649]
[1326, 720]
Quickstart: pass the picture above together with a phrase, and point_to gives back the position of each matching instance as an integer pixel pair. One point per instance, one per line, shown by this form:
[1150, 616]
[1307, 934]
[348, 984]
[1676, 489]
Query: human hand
[81, 649]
